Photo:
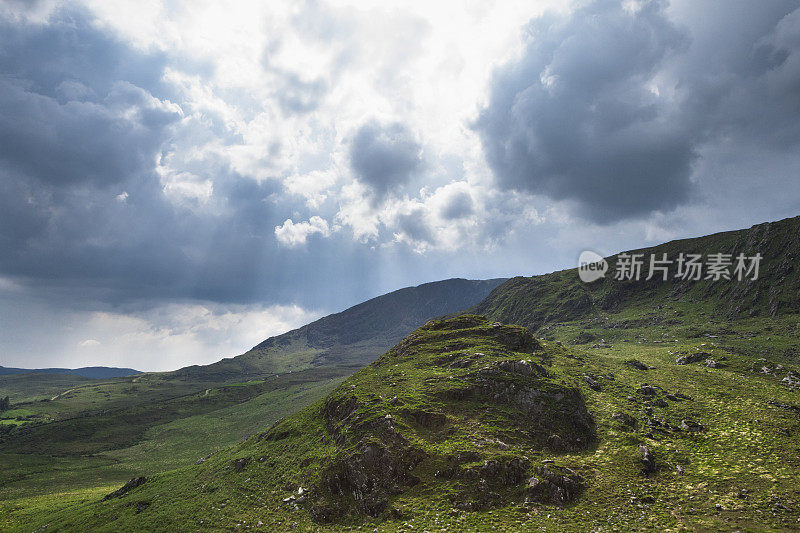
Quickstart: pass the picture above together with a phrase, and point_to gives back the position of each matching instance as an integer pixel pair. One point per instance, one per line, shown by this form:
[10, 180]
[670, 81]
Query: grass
[168, 436]
[749, 442]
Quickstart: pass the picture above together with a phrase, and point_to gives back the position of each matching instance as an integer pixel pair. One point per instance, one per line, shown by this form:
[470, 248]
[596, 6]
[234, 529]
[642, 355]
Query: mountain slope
[560, 296]
[92, 372]
[352, 338]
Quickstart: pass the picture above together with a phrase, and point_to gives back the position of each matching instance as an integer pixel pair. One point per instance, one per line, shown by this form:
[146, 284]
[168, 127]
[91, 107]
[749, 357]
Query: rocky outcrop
[365, 478]
[648, 461]
[638, 365]
[692, 358]
[462, 380]
[556, 485]
[126, 488]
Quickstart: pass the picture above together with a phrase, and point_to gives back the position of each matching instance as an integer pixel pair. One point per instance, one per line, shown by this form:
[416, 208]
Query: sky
[181, 180]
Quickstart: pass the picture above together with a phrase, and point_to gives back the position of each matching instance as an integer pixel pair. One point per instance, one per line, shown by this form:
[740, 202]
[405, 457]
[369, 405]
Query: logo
[591, 266]
[630, 266]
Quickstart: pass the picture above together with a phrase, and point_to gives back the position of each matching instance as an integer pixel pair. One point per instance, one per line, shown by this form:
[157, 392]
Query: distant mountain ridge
[93, 372]
[352, 338]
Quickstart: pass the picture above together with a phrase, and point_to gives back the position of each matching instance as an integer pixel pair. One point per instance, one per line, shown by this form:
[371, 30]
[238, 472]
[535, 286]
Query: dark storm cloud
[75, 132]
[71, 104]
[77, 141]
[610, 107]
[741, 77]
[574, 117]
[384, 156]
[69, 50]
[83, 121]
[84, 213]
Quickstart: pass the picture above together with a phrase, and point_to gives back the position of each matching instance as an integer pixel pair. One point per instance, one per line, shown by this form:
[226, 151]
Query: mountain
[352, 338]
[92, 372]
[548, 299]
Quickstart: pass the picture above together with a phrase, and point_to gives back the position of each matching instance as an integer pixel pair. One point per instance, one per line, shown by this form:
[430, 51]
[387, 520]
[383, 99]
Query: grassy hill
[103, 431]
[552, 298]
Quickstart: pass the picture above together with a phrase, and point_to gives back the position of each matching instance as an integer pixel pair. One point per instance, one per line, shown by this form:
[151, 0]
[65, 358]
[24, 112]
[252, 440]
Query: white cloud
[314, 186]
[165, 337]
[89, 343]
[295, 234]
[359, 57]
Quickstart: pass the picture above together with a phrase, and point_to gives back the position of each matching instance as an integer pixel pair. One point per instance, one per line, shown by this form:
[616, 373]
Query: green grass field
[738, 473]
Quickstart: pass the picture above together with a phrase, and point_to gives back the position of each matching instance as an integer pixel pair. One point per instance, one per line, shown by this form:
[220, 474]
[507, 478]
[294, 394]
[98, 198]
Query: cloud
[611, 106]
[575, 117]
[89, 343]
[384, 156]
[77, 142]
[295, 234]
[162, 337]
[739, 80]
[457, 204]
[299, 96]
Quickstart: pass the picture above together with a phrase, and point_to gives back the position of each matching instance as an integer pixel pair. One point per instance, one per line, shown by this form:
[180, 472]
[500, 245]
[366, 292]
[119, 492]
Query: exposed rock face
[368, 476]
[690, 425]
[638, 365]
[506, 471]
[647, 390]
[648, 461]
[594, 385]
[557, 485]
[692, 358]
[127, 487]
[792, 380]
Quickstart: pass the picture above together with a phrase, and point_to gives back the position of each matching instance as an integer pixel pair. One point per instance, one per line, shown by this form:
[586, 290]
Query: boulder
[692, 358]
[647, 390]
[127, 487]
[638, 365]
[239, 464]
[648, 461]
[625, 419]
[552, 484]
[594, 385]
[689, 425]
